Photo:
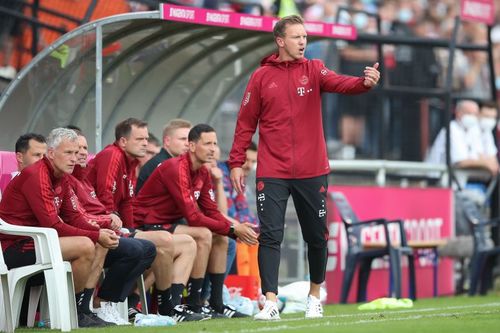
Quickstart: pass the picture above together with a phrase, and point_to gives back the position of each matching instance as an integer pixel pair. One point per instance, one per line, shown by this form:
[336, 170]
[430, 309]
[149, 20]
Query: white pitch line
[389, 312]
[365, 314]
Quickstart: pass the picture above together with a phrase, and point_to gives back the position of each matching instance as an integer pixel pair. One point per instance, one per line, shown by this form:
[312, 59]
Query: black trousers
[309, 197]
[124, 266]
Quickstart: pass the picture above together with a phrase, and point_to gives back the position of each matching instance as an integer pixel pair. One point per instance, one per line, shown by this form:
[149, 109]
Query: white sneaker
[314, 309]
[108, 312]
[269, 312]
[8, 72]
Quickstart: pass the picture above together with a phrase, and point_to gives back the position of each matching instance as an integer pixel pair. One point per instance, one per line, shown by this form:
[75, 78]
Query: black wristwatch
[231, 233]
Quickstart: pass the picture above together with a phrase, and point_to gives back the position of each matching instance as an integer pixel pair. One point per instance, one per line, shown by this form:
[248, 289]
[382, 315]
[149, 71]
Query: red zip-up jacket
[33, 198]
[77, 201]
[284, 100]
[112, 174]
[174, 191]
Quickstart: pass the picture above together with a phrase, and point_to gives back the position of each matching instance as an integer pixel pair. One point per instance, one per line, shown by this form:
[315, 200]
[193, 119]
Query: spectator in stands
[30, 148]
[488, 124]
[10, 30]
[181, 187]
[466, 146]
[284, 98]
[472, 146]
[175, 143]
[34, 198]
[355, 110]
[474, 75]
[175, 253]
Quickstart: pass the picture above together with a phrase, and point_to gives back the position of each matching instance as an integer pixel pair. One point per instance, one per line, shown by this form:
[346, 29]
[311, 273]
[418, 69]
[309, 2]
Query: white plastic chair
[60, 291]
[6, 323]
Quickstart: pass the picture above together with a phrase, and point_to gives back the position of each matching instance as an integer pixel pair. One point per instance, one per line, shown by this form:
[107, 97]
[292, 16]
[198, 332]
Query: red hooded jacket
[284, 99]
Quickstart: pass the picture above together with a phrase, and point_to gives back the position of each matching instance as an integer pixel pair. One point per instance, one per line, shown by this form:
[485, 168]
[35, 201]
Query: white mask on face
[405, 15]
[487, 124]
[469, 121]
[360, 20]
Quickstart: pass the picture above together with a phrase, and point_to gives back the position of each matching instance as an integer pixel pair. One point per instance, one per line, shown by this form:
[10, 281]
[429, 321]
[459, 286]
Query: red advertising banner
[427, 215]
[249, 22]
[478, 11]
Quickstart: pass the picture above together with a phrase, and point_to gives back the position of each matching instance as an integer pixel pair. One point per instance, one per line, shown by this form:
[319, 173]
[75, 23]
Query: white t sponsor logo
[196, 195]
[301, 91]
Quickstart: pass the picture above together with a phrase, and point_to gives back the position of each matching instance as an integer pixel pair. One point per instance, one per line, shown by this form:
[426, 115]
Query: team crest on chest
[304, 80]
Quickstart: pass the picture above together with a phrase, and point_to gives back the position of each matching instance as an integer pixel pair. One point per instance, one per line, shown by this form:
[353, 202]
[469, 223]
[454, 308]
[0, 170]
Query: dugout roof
[175, 62]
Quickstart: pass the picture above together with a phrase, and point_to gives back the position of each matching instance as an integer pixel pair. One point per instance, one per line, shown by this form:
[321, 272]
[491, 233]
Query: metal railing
[382, 169]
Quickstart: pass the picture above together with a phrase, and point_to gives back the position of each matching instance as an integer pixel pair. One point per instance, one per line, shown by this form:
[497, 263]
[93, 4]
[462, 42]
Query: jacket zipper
[291, 121]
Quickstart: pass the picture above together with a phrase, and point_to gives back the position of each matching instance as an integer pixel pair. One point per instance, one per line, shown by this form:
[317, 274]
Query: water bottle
[43, 323]
[153, 320]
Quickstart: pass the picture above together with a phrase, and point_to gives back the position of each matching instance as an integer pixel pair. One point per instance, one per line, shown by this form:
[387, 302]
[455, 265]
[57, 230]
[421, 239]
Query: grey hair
[57, 135]
[465, 104]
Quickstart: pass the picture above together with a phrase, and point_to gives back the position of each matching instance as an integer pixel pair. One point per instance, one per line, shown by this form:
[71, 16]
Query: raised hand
[372, 75]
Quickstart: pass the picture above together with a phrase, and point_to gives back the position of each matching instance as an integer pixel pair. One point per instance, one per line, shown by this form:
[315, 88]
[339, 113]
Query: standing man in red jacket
[284, 98]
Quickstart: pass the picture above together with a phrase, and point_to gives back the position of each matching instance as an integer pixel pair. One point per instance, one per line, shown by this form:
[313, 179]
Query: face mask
[497, 82]
[441, 9]
[469, 121]
[405, 15]
[360, 20]
[385, 26]
[487, 124]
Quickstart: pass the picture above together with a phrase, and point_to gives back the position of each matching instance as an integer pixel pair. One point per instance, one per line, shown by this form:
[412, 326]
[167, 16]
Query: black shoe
[199, 309]
[99, 321]
[91, 320]
[182, 313]
[230, 312]
[132, 312]
[207, 310]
